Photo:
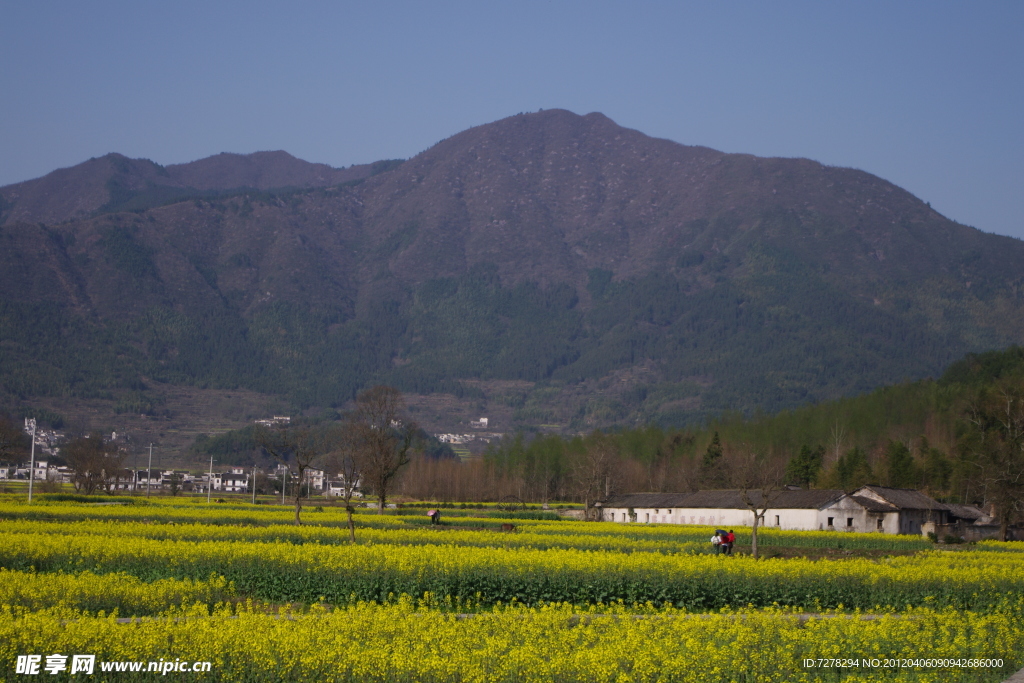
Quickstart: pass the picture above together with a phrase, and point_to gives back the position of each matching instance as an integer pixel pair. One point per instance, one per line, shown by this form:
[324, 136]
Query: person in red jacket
[730, 540]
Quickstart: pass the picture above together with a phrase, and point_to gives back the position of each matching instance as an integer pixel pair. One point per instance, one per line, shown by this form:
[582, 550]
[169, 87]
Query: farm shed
[906, 510]
[875, 508]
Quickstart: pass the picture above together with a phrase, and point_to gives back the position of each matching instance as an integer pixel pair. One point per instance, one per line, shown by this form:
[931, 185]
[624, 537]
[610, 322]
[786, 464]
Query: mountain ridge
[110, 182]
[622, 277]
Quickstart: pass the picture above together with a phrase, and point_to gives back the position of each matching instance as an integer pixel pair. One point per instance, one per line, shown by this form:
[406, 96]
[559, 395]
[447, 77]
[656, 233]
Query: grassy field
[236, 585]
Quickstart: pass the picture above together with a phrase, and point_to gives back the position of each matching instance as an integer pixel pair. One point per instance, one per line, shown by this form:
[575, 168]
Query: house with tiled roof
[235, 481]
[787, 509]
[657, 508]
[901, 511]
[972, 523]
[968, 514]
[870, 508]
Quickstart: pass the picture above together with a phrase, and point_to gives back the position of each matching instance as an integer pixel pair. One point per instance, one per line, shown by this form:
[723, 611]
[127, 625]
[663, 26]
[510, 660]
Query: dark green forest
[776, 338]
[954, 437]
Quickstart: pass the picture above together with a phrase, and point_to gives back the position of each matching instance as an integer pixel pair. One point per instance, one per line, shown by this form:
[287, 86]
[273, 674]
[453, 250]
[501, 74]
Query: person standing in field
[730, 540]
[716, 543]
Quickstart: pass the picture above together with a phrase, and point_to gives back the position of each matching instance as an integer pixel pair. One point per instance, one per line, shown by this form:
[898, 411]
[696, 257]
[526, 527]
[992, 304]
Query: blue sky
[929, 95]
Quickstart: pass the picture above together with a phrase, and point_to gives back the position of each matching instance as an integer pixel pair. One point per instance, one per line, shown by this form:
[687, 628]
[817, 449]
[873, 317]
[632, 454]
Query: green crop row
[311, 572]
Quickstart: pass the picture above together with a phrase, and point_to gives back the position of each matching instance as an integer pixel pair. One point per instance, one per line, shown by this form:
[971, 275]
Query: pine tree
[900, 468]
[806, 466]
[853, 470]
[712, 474]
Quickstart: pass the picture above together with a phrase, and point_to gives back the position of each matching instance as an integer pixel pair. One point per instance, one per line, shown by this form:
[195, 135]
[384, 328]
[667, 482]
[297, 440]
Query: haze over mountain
[551, 268]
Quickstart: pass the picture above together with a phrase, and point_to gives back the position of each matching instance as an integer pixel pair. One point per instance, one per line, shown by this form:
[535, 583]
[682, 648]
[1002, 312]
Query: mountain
[115, 183]
[546, 269]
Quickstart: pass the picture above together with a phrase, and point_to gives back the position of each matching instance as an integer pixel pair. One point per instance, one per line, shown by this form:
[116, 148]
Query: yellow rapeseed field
[261, 600]
[605, 643]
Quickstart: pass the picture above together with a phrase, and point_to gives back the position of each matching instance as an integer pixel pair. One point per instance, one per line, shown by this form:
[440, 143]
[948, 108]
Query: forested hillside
[959, 438]
[547, 269]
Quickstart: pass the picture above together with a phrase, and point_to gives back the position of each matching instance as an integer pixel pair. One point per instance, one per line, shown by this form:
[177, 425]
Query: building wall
[789, 519]
[905, 521]
[891, 523]
[911, 521]
[798, 519]
[849, 515]
[714, 516]
[845, 514]
[793, 519]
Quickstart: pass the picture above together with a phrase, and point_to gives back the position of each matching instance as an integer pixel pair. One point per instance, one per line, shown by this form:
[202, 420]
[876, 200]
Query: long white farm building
[870, 508]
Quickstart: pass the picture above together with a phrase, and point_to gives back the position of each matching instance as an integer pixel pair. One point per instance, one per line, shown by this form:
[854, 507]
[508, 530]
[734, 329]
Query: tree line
[959, 438]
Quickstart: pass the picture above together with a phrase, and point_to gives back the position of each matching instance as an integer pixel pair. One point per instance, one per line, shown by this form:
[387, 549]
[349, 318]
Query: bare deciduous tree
[304, 444]
[344, 462]
[382, 438]
[991, 442]
[759, 480]
[94, 462]
[590, 470]
[837, 439]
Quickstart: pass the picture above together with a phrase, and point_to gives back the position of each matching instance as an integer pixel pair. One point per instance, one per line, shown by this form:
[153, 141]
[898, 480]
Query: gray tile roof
[730, 499]
[872, 505]
[809, 499]
[968, 512]
[906, 499]
[646, 500]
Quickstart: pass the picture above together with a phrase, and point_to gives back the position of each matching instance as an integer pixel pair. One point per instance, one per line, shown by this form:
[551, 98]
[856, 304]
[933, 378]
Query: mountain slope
[115, 183]
[554, 268]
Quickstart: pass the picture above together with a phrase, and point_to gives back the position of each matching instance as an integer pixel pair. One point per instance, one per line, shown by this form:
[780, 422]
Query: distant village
[233, 480]
[868, 509]
[479, 424]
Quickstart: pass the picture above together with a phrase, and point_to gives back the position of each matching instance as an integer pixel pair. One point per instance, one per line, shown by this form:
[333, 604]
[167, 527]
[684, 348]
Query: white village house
[38, 469]
[233, 481]
[314, 479]
[148, 479]
[870, 508]
[336, 487]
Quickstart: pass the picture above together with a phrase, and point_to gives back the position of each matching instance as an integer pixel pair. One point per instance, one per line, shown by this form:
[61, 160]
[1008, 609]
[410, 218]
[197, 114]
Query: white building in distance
[870, 508]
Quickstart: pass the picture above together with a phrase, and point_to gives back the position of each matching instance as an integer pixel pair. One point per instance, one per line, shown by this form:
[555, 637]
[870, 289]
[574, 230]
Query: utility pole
[32, 461]
[209, 484]
[284, 483]
[254, 484]
[149, 470]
